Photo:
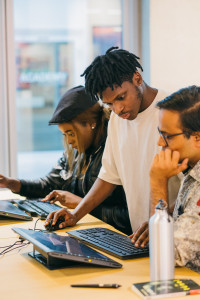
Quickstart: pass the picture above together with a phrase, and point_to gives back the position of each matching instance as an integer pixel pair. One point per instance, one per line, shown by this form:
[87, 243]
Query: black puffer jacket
[112, 211]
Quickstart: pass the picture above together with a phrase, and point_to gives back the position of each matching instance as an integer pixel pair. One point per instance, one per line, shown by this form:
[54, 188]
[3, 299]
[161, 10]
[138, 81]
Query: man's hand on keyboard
[70, 219]
[141, 236]
[64, 197]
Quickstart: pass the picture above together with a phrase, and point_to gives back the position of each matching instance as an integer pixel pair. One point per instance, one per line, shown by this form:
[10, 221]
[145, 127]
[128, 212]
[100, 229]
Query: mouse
[51, 227]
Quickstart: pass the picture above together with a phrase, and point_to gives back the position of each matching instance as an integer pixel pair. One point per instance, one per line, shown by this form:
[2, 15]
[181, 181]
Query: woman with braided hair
[84, 126]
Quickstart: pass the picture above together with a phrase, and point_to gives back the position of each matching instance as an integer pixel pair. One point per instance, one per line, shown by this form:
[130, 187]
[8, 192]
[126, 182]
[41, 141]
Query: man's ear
[137, 79]
[197, 138]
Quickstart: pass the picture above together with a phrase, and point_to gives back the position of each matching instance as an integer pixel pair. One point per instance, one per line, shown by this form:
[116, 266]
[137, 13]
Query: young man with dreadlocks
[132, 135]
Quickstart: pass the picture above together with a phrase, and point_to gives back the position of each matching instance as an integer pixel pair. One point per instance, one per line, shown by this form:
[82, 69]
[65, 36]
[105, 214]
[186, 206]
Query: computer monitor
[57, 251]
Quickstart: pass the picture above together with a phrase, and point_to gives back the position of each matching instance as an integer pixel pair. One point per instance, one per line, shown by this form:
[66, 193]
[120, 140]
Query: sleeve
[186, 232]
[108, 171]
[173, 189]
[43, 186]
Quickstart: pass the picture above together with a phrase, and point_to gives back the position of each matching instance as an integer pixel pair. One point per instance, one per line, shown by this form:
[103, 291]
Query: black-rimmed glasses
[165, 137]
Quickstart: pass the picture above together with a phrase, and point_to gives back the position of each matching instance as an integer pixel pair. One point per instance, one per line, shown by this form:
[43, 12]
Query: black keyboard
[36, 207]
[109, 241]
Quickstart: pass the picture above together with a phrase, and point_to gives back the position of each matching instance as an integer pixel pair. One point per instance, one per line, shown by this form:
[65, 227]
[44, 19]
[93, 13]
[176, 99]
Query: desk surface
[24, 278]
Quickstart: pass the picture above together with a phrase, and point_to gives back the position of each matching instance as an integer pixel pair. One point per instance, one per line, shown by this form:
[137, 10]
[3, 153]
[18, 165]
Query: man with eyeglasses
[179, 129]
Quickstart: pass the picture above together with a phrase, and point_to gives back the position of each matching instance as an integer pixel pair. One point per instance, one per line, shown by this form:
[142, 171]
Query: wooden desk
[24, 278]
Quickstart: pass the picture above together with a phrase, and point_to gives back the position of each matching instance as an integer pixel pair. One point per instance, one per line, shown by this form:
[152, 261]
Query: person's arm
[37, 188]
[186, 233]
[65, 198]
[10, 183]
[165, 165]
[43, 186]
[97, 194]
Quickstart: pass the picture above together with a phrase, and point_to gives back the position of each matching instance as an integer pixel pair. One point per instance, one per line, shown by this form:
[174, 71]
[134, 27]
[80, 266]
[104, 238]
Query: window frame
[8, 146]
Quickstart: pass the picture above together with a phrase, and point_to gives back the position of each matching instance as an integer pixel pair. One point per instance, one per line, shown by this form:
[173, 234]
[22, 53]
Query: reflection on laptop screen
[57, 250]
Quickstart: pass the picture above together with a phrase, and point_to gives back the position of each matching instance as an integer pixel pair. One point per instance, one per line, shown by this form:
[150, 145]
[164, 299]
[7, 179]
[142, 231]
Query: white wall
[174, 43]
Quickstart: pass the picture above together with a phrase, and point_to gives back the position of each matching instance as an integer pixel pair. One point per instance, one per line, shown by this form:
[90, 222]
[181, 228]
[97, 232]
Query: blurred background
[46, 45]
[54, 42]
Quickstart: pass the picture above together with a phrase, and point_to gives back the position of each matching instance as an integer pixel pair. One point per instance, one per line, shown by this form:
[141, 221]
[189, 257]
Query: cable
[36, 224]
[4, 246]
[21, 243]
[41, 218]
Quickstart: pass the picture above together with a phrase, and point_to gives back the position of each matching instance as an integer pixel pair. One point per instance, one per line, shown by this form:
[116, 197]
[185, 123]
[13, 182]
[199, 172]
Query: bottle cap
[161, 204]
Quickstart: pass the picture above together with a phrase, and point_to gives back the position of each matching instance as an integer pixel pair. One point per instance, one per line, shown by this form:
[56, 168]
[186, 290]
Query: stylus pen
[100, 285]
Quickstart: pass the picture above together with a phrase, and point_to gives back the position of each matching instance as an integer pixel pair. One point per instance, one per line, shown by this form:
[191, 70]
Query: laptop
[57, 251]
[9, 210]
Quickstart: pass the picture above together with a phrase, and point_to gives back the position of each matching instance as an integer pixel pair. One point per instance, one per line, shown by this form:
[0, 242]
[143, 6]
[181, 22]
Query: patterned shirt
[187, 221]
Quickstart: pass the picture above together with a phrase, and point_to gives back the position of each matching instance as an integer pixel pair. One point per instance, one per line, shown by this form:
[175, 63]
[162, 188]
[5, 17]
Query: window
[54, 43]
[49, 43]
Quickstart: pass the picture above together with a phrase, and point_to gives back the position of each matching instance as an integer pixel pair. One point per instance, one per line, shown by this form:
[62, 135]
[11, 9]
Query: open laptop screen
[52, 245]
[9, 210]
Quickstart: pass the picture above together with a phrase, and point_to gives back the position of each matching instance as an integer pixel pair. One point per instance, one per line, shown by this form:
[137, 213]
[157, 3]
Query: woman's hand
[65, 198]
[3, 181]
[13, 184]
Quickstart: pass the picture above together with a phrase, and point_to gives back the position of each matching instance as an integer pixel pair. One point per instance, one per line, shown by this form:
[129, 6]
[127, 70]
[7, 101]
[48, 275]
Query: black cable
[4, 246]
[4, 252]
[41, 218]
[36, 224]
[19, 244]
[10, 246]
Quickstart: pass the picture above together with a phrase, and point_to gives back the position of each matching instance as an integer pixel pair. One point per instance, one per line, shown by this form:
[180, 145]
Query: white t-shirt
[129, 151]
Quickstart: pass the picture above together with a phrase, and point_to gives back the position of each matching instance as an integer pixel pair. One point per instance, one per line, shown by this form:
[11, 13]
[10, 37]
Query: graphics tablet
[9, 210]
[57, 251]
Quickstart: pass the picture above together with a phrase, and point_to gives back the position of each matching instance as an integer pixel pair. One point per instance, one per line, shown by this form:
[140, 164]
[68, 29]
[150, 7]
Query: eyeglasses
[168, 136]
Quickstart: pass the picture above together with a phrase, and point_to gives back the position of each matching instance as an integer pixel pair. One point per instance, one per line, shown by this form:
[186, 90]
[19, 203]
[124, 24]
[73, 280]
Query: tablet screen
[52, 242]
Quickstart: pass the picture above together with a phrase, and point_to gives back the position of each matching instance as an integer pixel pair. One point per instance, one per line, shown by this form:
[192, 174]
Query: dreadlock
[110, 69]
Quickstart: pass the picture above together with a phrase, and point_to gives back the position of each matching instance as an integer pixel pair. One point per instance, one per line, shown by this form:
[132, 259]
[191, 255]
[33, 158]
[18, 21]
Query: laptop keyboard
[109, 241]
[36, 207]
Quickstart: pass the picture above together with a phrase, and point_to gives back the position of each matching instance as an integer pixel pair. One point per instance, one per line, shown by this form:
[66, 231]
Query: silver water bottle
[161, 244]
